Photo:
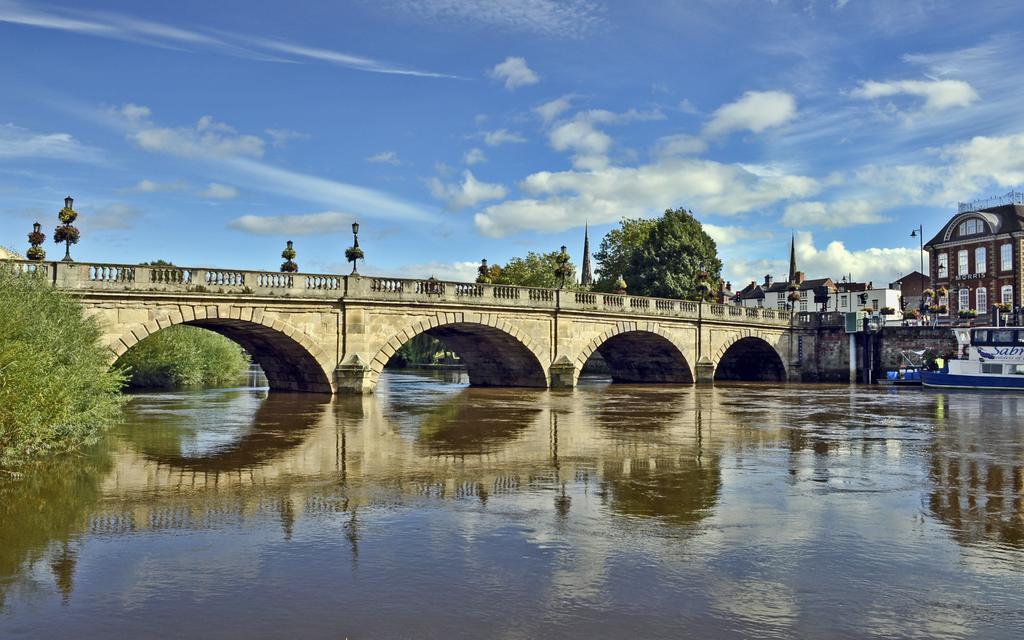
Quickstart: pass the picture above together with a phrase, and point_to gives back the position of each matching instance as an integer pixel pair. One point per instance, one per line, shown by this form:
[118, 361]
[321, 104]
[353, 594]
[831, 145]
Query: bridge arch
[290, 358]
[495, 353]
[637, 355]
[750, 358]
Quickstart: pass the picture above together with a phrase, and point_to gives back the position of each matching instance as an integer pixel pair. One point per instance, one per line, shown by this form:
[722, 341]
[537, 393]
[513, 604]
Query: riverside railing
[167, 279]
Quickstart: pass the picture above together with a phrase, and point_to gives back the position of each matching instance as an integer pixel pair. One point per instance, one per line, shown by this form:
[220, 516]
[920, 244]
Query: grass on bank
[182, 356]
[57, 390]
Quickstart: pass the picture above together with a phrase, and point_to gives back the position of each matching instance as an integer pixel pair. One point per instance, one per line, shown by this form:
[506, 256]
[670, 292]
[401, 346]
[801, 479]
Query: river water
[433, 510]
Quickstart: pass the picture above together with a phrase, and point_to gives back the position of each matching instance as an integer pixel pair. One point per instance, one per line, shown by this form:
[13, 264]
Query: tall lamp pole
[919, 234]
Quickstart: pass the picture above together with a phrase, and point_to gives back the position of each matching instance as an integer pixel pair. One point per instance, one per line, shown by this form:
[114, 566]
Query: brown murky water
[431, 510]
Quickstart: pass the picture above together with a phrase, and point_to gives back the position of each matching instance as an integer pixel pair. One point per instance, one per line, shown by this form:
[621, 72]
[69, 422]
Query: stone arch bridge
[332, 333]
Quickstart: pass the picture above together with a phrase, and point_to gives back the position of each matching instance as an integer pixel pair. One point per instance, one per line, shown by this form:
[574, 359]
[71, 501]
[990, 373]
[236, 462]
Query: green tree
[183, 356]
[669, 257]
[616, 250]
[535, 270]
[57, 391]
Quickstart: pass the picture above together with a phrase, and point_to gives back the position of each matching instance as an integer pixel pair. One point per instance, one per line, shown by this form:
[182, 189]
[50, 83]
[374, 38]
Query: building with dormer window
[976, 256]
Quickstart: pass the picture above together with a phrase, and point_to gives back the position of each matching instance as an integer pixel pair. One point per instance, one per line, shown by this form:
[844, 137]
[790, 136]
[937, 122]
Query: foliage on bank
[183, 356]
[57, 391]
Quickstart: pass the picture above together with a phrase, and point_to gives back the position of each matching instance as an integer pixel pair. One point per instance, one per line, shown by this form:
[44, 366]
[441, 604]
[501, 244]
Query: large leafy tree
[535, 270]
[670, 257]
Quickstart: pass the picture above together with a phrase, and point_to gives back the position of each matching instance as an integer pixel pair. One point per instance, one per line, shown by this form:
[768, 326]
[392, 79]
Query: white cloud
[134, 111]
[501, 136]
[385, 157]
[151, 186]
[553, 108]
[117, 215]
[589, 145]
[732, 234]
[571, 18]
[18, 142]
[566, 199]
[832, 215]
[938, 95]
[462, 271]
[514, 73]
[305, 224]
[474, 156]
[880, 265]
[208, 138]
[467, 193]
[755, 111]
[679, 145]
[687, 107]
[281, 137]
[219, 191]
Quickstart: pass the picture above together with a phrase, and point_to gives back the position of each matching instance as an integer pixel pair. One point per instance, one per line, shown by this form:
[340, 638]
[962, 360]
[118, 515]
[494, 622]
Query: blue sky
[211, 133]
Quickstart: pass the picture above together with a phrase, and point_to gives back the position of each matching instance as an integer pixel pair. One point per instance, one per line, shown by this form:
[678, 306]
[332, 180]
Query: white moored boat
[994, 360]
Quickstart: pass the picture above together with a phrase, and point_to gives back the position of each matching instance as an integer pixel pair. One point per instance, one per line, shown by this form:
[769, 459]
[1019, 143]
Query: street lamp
[919, 234]
[354, 253]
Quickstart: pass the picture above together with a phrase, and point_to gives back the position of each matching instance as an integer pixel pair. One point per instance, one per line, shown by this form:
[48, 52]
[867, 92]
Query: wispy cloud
[18, 142]
[567, 18]
[385, 157]
[304, 224]
[152, 186]
[146, 32]
[218, 191]
[237, 156]
[500, 137]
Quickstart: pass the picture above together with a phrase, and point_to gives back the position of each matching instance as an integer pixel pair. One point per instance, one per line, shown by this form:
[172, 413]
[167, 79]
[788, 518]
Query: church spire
[586, 277]
[792, 259]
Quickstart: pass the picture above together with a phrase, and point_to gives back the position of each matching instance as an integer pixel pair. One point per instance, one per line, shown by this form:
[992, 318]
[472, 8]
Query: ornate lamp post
[562, 270]
[36, 252]
[289, 254]
[919, 234]
[354, 253]
[483, 272]
[67, 232]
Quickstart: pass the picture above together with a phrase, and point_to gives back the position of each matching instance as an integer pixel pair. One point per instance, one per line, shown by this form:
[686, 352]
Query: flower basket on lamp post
[67, 232]
[354, 253]
[36, 238]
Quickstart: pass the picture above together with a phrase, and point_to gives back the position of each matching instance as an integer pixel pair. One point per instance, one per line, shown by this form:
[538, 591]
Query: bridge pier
[562, 373]
[704, 371]
[353, 377]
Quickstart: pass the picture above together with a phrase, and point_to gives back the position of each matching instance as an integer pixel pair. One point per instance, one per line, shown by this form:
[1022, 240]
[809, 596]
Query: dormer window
[971, 227]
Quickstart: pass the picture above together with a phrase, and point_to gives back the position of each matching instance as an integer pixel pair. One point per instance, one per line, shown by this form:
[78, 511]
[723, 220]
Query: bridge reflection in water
[727, 504]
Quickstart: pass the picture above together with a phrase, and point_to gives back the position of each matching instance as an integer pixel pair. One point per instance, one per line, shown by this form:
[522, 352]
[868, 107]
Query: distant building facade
[976, 255]
[7, 254]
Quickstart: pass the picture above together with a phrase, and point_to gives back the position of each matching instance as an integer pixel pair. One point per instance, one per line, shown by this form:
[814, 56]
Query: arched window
[972, 227]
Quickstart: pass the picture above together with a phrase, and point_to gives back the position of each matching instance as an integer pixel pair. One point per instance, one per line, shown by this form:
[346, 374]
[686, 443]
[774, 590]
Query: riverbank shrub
[57, 391]
[183, 356]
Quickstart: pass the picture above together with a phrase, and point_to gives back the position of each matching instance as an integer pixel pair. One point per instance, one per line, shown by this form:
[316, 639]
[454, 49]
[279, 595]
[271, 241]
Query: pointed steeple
[792, 259]
[586, 277]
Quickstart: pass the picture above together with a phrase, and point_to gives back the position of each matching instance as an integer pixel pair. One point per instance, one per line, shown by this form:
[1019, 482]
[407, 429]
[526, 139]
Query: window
[1006, 294]
[1002, 336]
[1006, 257]
[980, 260]
[874, 305]
[972, 227]
[981, 300]
[942, 270]
[964, 301]
[803, 305]
[961, 262]
[842, 301]
[782, 303]
[979, 337]
[991, 368]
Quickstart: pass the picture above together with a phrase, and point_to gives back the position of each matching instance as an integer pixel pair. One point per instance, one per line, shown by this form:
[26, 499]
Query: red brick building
[976, 256]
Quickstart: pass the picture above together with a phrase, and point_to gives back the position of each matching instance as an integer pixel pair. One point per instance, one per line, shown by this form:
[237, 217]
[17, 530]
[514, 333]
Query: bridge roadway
[331, 333]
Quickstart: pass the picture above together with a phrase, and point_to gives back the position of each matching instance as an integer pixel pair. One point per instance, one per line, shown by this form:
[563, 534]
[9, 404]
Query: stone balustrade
[102, 277]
